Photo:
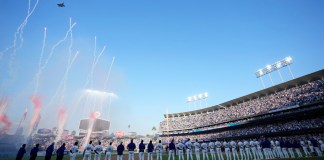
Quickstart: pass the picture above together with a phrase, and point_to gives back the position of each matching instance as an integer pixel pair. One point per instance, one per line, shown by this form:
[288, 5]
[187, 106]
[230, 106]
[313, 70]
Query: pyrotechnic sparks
[36, 113]
[61, 119]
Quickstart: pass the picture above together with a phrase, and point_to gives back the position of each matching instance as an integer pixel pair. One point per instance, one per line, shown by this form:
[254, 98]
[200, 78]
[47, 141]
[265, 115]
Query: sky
[163, 51]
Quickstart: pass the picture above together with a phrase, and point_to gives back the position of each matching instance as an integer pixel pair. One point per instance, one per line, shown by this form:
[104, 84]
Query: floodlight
[288, 60]
[205, 94]
[273, 67]
[278, 65]
[260, 72]
[189, 99]
[200, 96]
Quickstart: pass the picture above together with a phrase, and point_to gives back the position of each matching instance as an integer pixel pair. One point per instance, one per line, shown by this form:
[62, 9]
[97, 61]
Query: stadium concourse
[283, 121]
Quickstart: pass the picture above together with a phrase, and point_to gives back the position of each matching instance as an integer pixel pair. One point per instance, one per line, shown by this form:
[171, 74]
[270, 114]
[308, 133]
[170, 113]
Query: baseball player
[218, 150]
[242, 153]
[188, 149]
[204, 148]
[87, 151]
[109, 151]
[227, 150]
[211, 146]
[98, 150]
[159, 150]
[150, 149]
[74, 151]
[197, 149]
[141, 147]
[180, 148]
[234, 151]
[131, 147]
[171, 150]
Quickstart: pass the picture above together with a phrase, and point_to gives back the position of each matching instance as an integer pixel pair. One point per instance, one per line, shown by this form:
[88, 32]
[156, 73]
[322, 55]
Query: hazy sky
[164, 52]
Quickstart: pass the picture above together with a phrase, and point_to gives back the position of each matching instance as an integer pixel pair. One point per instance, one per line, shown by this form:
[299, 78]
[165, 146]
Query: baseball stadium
[161, 80]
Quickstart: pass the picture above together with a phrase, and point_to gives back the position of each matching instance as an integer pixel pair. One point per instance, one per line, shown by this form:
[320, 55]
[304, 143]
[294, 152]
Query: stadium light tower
[286, 62]
[199, 97]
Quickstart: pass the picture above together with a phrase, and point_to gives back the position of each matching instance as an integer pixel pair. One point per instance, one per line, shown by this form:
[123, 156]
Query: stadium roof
[286, 85]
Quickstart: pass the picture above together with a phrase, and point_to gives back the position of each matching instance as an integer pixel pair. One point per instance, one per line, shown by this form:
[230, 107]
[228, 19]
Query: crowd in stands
[299, 95]
[257, 130]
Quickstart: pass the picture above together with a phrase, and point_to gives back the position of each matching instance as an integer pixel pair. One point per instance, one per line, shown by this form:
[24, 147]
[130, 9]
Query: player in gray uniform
[98, 151]
[254, 150]
[87, 151]
[197, 149]
[304, 146]
[259, 149]
[234, 151]
[204, 148]
[311, 147]
[273, 149]
[180, 148]
[321, 144]
[159, 150]
[242, 153]
[247, 150]
[278, 149]
[227, 150]
[218, 150]
[189, 149]
[74, 151]
[211, 146]
[109, 151]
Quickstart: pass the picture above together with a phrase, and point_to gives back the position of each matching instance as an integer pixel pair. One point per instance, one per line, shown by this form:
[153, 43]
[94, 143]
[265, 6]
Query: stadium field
[125, 157]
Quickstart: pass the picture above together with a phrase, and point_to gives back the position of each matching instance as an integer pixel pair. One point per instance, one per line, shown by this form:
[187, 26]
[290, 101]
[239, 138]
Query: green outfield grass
[125, 157]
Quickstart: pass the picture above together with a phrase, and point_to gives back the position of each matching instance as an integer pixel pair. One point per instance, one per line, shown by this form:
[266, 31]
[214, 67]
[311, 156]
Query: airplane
[61, 4]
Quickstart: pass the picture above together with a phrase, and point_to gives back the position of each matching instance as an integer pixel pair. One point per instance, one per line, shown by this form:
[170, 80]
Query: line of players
[244, 150]
[253, 149]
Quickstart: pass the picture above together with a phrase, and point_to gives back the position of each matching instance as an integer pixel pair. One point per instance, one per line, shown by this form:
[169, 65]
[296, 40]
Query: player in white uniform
[218, 150]
[109, 151]
[242, 153]
[180, 148]
[87, 151]
[247, 150]
[188, 149]
[234, 151]
[159, 150]
[304, 146]
[74, 151]
[227, 150]
[254, 150]
[211, 146]
[204, 148]
[98, 150]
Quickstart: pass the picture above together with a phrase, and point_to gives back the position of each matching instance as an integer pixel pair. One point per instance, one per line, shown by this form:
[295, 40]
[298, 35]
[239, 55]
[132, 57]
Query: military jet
[61, 4]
